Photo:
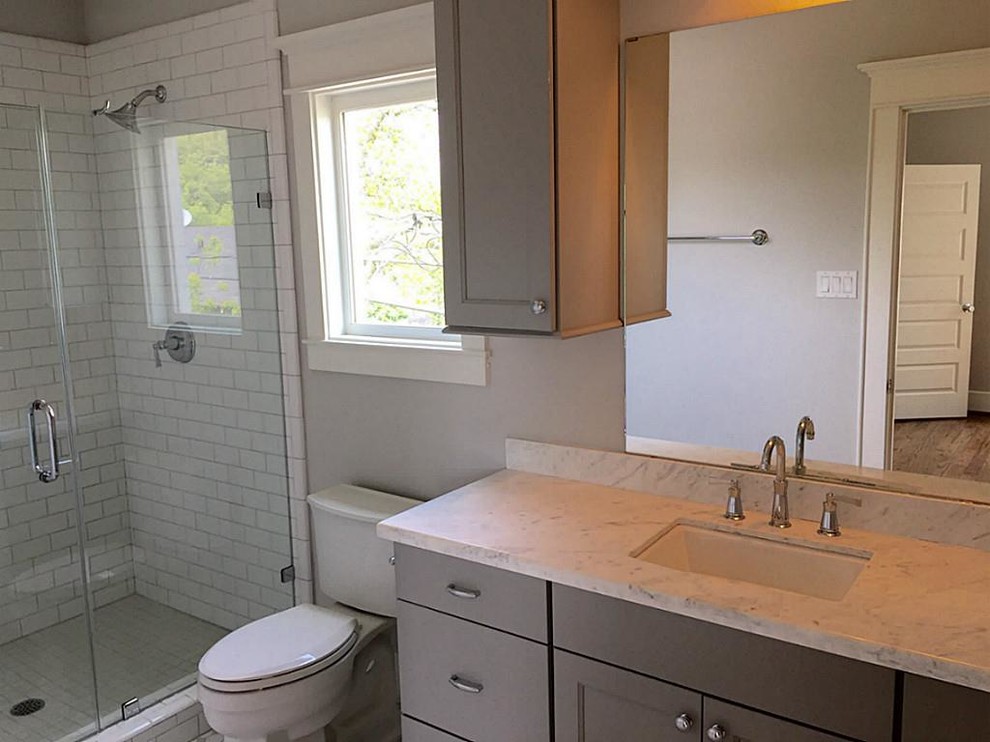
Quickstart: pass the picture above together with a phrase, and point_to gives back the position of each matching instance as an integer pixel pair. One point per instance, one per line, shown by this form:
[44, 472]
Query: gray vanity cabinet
[934, 710]
[595, 702]
[744, 725]
[473, 654]
[529, 145]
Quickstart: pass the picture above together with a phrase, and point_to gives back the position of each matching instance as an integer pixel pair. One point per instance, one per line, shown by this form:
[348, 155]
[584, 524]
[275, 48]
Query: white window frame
[387, 48]
[328, 109]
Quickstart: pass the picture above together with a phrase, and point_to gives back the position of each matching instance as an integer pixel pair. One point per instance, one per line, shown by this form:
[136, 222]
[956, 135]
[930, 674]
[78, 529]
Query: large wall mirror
[769, 128]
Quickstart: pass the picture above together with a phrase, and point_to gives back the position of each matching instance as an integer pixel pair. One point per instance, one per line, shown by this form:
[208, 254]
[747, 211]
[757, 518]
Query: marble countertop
[917, 606]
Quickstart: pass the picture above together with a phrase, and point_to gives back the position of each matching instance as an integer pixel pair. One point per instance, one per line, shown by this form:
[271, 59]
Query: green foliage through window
[204, 171]
[394, 194]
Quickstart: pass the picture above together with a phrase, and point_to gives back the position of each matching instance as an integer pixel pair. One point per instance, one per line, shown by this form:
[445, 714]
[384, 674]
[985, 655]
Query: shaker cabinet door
[723, 721]
[495, 93]
[595, 702]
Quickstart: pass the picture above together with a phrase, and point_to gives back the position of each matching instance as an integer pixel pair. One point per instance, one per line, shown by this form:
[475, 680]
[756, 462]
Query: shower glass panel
[199, 549]
[139, 315]
[46, 670]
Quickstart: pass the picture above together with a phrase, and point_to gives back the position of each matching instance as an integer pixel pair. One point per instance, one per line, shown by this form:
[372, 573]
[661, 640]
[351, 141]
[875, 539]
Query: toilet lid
[283, 643]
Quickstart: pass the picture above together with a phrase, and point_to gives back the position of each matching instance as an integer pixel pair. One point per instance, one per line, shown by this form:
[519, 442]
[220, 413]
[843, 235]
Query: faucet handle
[829, 525]
[734, 504]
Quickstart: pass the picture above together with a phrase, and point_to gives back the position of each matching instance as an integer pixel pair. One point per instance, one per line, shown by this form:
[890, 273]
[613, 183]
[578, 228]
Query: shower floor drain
[28, 707]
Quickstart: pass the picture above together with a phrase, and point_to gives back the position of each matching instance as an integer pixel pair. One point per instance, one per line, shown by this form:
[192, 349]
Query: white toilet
[291, 674]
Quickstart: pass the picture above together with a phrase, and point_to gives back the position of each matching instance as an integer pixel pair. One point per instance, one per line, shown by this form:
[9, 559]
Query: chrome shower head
[126, 115]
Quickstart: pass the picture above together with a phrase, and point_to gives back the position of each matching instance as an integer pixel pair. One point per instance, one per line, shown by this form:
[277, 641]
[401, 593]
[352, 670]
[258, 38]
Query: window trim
[393, 45]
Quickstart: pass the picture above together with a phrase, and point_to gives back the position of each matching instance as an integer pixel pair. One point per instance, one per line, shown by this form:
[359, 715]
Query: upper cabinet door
[495, 92]
[528, 93]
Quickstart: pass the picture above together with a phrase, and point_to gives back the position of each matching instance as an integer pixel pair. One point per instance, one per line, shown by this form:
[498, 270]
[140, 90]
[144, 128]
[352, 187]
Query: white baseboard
[979, 401]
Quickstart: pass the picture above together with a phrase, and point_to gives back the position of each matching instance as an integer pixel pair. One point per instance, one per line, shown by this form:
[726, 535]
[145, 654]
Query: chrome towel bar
[759, 237]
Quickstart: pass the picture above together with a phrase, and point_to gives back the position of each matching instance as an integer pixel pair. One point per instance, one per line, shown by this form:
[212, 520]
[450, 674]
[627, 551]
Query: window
[184, 176]
[379, 165]
[204, 242]
[365, 150]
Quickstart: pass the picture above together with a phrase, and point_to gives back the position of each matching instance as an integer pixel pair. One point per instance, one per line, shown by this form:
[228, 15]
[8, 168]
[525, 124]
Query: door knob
[717, 733]
[969, 308]
[684, 723]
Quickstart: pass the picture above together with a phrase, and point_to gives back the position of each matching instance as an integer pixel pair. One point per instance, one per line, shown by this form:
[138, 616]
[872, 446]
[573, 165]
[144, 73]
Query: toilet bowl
[289, 675]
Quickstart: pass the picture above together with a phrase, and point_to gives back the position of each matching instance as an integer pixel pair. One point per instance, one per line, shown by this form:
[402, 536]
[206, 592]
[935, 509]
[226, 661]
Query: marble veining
[897, 513]
[918, 606]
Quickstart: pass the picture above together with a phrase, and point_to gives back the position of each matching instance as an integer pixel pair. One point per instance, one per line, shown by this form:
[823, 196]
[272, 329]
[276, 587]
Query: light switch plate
[836, 284]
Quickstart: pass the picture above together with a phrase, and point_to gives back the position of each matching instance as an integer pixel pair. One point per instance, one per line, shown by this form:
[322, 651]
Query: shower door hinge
[264, 199]
[288, 574]
[129, 708]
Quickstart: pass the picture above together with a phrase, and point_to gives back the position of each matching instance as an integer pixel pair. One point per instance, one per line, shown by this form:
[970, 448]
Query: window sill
[451, 362]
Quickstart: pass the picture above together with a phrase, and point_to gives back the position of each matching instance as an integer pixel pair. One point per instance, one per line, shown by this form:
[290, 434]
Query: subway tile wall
[40, 572]
[201, 445]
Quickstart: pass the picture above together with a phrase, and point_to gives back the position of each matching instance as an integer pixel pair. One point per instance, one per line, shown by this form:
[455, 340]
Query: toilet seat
[280, 649]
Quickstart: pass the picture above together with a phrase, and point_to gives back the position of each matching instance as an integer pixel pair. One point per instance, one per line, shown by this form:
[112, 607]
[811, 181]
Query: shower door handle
[49, 473]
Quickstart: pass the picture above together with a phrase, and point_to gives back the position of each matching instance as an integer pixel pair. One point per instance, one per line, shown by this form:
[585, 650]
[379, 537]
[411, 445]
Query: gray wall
[51, 19]
[769, 127]
[423, 438]
[963, 138]
[105, 19]
[301, 15]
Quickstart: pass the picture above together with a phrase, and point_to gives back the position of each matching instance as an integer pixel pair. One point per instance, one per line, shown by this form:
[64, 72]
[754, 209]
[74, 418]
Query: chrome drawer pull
[464, 593]
[465, 685]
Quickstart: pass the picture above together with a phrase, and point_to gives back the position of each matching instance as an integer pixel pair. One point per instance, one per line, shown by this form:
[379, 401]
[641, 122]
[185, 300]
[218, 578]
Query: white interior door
[935, 299]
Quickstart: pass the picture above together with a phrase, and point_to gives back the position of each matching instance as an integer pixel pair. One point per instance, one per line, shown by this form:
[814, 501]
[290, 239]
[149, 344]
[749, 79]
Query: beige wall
[963, 138]
[641, 17]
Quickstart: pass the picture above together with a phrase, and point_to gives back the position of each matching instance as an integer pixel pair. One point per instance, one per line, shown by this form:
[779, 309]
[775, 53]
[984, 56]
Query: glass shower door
[46, 668]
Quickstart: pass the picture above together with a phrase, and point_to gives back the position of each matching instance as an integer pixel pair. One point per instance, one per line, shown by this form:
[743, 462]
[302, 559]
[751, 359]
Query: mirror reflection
[769, 127]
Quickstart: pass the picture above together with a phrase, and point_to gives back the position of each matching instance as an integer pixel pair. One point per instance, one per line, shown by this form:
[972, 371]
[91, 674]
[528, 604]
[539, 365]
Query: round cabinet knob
[969, 308]
[717, 733]
[684, 723]
[538, 306]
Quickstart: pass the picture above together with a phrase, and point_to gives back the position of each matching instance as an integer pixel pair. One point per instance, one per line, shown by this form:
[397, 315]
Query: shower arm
[159, 91]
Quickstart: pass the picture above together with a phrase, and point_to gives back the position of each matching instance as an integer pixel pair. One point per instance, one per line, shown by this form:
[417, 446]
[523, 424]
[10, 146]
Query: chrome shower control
[179, 343]
[717, 733]
[684, 723]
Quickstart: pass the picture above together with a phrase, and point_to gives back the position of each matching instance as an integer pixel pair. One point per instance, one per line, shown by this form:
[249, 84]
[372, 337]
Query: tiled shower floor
[141, 647]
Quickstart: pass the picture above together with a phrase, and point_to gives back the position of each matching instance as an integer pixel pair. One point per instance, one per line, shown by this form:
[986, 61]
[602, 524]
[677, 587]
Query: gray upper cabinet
[529, 144]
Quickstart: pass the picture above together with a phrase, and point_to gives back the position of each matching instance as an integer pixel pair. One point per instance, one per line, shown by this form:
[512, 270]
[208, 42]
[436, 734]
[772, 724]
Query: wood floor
[952, 447]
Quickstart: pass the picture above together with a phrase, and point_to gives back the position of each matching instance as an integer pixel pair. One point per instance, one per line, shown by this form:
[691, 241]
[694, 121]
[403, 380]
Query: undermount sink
[817, 572]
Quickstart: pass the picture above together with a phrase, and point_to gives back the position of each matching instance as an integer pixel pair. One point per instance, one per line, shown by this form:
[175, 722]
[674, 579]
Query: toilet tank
[354, 566]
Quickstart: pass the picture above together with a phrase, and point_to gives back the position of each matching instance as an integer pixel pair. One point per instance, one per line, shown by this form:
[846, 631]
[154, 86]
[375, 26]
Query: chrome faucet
[779, 517]
[805, 430]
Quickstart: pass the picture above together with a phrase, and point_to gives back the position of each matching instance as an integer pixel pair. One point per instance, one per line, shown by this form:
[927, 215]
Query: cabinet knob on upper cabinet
[684, 723]
[538, 306]
[717, 733]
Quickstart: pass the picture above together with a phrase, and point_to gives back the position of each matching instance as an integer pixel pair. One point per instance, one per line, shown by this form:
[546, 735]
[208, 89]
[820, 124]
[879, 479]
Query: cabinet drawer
[510, 676]
[595, 702]
[825, 691]
[493, 597]
[415, 731]
[743, 725]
